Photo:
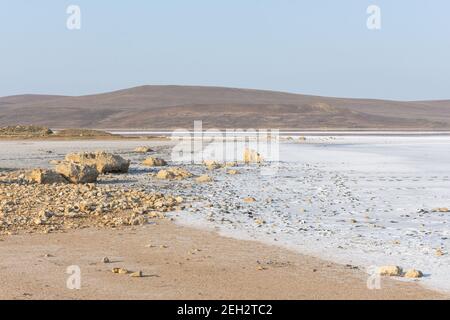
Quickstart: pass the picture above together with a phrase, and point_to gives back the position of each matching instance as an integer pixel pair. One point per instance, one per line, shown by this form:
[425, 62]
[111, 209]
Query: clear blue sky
[318, 47]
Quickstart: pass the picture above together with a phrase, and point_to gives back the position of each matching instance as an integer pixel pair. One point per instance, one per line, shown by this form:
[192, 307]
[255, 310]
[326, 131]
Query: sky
[320, 47]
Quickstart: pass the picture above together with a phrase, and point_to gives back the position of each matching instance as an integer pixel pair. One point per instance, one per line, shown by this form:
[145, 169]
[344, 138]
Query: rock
[143, 150]
[43, 176]
[154, 162]
[120, 271]
[413, 273]
[103, 161]
[441, 210]
[212, 164]
[251, 156]
[54, 162]
[45, 214]
[137, 274]
[249, 199]
[232, 172]
[77, 173]
[391, 271]
[203, 179]
[173, 173]
[302, 138]
[106, 260]
[439, 253]
[259, 222]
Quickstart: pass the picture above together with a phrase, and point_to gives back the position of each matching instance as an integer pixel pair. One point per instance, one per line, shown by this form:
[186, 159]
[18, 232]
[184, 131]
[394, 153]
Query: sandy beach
[311, 233]
[181, 263]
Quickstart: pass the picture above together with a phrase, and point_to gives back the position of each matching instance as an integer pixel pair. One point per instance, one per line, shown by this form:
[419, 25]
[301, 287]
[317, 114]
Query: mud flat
[361, 203]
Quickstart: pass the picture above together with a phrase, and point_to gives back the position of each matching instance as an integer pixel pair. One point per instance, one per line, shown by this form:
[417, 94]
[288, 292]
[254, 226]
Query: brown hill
[169, 107]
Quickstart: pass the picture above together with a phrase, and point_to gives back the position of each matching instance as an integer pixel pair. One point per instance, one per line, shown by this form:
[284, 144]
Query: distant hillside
[170, 107]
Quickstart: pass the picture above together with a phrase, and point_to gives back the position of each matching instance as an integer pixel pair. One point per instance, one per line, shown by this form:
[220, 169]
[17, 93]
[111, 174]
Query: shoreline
[178, 263]
[40, 155]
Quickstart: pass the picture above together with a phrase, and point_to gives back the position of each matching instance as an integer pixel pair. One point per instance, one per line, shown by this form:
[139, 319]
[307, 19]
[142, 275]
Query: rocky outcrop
[154, 162]
[103, 161]
[77, 173]
[43, 176]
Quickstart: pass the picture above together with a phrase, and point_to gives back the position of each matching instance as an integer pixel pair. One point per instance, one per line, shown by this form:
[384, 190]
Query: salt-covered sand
[365, 201]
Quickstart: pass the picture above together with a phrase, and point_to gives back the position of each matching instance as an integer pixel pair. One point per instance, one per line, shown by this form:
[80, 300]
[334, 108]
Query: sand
[227, 268]
[182, 263]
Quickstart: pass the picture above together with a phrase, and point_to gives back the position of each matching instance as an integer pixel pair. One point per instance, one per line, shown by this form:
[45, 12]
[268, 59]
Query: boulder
[103, 161]
[143, 150]
[43, 176]
[232, 172]
[77, 173]
[203, 179]
[251, 156]
[154, 162]
[249, 199]
[391, 271]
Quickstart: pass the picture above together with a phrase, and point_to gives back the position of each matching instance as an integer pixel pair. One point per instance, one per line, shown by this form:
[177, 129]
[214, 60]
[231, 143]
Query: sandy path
[33, 267]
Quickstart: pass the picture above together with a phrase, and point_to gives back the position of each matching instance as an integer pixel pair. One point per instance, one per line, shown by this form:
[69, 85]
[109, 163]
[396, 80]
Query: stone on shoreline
[137, 274]
[77, 173]
[173, 174]
[232, 172]
[103, 161]
[203, 179]
[441, 210]
[143, 150]
[251, 156]
[413, 273]
[154, 162]
[212, 164]
[391, 271]
[43, 176]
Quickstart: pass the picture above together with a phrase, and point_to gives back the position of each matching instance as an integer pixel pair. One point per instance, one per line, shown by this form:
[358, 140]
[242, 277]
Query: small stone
[137, 274]
[143, 150]
[120, 271]
[105, 260]
[203, 179]
[441, 210]
[249, 199]
[413, 273]
[391, 271]
[154, 162]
